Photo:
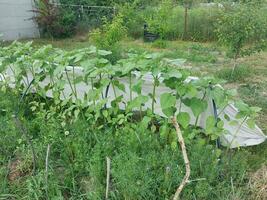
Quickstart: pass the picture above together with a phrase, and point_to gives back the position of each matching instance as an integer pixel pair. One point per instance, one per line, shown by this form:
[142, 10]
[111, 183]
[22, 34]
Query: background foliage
[165, 17]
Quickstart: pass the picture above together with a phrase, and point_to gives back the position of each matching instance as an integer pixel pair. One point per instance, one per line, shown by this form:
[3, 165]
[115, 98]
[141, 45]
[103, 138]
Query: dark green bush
[132, 19]
[65, 24]
[54, 21]
[109, 35]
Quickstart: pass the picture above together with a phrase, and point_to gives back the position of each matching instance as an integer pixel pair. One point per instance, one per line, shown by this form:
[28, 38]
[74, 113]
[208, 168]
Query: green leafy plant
[53, 21]
[110, 35]
[242, 30]
[68, 121]
[160, 14]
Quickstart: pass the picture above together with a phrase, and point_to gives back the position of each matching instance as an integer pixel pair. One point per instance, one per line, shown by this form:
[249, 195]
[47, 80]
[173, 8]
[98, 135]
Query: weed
[240, 74]
[159, 44]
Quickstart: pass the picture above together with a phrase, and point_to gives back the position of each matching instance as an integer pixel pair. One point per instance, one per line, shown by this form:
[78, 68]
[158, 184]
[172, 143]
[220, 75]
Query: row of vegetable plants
[50, 70]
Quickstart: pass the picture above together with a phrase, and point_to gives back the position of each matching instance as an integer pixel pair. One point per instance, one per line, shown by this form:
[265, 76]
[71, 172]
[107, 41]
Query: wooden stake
[108, 176]
[185, 157]
[46, 170]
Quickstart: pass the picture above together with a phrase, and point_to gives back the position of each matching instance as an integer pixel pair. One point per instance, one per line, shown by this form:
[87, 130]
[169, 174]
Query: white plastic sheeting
[237, 135]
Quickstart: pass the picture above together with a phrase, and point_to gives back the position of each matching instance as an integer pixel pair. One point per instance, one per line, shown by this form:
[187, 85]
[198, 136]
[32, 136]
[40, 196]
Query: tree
[242, 30]
[187, 4]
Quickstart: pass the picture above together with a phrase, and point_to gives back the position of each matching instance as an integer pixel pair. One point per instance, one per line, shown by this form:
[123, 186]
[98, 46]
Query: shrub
[242, 29]
[46, 15]
[109, 35]
[65, 25]
[53, 21]
[132, 19]
[161, 20]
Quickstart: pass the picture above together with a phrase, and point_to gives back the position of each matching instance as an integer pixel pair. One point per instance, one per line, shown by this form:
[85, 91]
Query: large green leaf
[137, 87]
[197, 105]
[168, 103]
[173, 73]
[119, 85]
[210, 124]
[137, 102]
[184, 119]
[103, 52]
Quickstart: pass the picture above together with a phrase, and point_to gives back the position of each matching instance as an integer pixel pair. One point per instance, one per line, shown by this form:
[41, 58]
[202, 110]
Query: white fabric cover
[245, 136]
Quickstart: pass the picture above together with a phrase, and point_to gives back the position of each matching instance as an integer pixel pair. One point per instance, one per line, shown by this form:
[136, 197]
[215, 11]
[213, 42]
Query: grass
[240, 74]
[143, 167]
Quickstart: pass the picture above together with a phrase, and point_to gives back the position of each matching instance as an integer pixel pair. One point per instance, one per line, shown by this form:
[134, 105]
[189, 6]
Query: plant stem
[238, 129]
[100, 76]
[130, 86]
[114, 90]
[32, 71]
[204, 95]
[153, 95]
[73, 79]
[180, 106]
[140, 112]
[233, 70]
[28, 81]
[185, 157]
[196, 120]
[222, 110]
[5, 81]
[46, 169]
[92, 86]
[72, 89]
[63, 93]
[13, 71]
[4, 77]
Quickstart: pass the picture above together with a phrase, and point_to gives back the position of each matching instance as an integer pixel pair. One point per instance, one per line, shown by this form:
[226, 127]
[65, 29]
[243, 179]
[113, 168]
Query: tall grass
[201, 21]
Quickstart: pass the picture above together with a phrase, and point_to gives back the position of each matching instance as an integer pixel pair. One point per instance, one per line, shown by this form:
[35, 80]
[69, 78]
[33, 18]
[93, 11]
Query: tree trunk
[185, 21]
[233, 70]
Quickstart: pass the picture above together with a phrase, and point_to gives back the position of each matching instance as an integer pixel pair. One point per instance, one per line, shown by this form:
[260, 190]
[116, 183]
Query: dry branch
[108, 176]
[185, 157]
[46, 169]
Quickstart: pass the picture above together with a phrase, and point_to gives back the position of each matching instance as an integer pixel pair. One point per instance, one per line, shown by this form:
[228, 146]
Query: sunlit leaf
[184, 119]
